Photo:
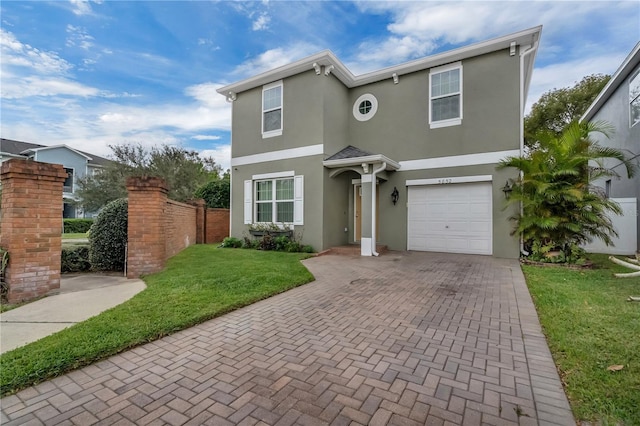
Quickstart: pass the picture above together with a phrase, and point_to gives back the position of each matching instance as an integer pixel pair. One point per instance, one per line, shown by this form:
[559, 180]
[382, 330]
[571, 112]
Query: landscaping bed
[200, 283]
[590, 326]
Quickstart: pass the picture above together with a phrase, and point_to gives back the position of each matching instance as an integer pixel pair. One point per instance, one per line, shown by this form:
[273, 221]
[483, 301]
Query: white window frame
[451, 121]
[277, 132]
[250, 204]
[369, 115]
[634, 76]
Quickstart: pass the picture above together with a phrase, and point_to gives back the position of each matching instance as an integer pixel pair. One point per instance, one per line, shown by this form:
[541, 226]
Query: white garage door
[453, 218]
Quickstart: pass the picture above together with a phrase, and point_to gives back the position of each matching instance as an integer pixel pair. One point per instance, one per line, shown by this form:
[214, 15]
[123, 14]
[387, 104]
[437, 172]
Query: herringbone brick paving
[403, 339]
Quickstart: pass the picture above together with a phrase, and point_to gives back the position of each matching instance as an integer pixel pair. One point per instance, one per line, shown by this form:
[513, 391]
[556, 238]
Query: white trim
[449, 180]
[275, 132]
[356, 181]
[298, 200]
[274, 175]
[356, 161]
[457, 160]
[356, 107]
[35, 150]
[456, 121]
[283, 154]
[365, 246]
[327, 58]
[367, 178]
[248, 202]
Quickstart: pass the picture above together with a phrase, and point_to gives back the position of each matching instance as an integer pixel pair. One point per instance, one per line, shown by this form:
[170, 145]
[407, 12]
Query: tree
[560, 207]
[557, 108]
[183, 170]
[216, 193]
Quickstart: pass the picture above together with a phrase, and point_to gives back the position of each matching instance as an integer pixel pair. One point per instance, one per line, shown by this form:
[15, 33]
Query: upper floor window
[68, 182]
[365, 107]
[634, 99]
[445, 95]
[272, 110]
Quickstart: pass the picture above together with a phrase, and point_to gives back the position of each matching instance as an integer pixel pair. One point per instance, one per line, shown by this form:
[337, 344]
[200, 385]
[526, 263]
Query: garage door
[453, 218]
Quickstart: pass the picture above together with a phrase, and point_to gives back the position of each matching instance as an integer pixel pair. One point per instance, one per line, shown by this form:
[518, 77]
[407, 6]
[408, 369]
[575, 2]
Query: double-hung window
[274, 198]
[445, 95]
[68, 182]
[634, 99]
[272, 110]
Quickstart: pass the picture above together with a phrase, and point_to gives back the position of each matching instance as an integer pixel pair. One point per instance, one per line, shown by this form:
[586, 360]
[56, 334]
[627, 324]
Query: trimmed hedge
[108, 237]
[75, 258]
[76, 226]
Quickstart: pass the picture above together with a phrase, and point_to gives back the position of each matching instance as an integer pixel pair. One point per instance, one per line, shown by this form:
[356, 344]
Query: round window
[365, 107]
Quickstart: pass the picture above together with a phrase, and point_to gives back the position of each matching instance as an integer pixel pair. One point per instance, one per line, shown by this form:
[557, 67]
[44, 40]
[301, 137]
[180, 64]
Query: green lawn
[589, 326]
[75, 236]
[200, 283]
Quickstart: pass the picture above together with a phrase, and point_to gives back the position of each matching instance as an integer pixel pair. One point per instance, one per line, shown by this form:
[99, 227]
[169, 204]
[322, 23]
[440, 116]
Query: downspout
[532, 49]
[373, 207]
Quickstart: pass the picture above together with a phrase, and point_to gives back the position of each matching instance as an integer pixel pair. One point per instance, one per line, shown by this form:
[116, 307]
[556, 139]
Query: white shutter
[298, 200]
[248, 201]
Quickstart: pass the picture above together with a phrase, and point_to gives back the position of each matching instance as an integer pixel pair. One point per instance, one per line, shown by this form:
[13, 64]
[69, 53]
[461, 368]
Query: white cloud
[17, 54]
[262, 23]
[221, 153]
[206, 137]
[81, 7]
[275, 58]
[79, 37]
[24, 87]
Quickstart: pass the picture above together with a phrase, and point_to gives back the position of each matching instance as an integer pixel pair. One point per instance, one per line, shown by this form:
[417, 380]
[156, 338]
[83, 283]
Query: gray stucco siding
[393, 219]
[309, 167]
[400, 129]
[616, 112]
[302, 117]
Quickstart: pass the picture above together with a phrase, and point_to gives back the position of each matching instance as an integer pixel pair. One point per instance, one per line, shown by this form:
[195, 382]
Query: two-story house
[618, 104]
[76, 163]
[404, 156]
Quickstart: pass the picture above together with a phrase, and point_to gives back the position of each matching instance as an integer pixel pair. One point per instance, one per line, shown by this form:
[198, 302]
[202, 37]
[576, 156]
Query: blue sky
[96, 73]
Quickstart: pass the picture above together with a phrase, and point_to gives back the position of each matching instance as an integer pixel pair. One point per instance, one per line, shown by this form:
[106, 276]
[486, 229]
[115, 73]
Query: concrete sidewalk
[80, 297]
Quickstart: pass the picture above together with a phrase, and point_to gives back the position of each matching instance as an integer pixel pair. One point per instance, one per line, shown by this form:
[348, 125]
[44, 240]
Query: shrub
[267, 243]
[108, 237]
[76, 226]
[231, 242]
[248, 243]
[75, 258]
[215, 193]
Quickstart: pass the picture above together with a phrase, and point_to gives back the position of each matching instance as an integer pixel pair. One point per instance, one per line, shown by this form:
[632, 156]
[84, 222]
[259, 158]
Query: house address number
[445, 181]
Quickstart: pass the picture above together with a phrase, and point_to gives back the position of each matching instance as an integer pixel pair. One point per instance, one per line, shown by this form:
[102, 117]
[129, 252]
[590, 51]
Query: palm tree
[560, 207]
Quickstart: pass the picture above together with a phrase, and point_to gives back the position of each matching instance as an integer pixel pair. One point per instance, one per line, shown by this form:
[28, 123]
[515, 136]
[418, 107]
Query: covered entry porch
[372, 169]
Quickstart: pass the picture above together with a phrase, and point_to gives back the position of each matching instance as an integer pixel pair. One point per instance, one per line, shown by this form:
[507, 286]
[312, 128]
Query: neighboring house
[404, 156]
[76, 163]
[619, 104]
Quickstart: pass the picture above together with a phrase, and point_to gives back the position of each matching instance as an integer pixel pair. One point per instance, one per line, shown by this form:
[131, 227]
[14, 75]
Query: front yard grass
[200, 283]
[75, 236]
[590, 326]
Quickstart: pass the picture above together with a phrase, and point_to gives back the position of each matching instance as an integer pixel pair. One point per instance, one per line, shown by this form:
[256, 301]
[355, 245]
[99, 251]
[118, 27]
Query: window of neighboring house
[607, 188]
[274, 199]
[272, 110]
[445, 96]
[634, 99]
[68, 182]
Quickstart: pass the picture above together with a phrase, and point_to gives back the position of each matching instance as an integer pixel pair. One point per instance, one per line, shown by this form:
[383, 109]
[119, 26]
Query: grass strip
[200, 283]
[74, 236]
[590, 326]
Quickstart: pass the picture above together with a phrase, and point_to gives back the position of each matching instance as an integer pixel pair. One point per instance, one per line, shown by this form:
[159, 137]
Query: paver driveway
[407, 338]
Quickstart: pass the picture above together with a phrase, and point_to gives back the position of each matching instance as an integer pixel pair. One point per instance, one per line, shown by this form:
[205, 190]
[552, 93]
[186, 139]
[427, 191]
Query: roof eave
[327, 58]
[356, 161]
[623, 71]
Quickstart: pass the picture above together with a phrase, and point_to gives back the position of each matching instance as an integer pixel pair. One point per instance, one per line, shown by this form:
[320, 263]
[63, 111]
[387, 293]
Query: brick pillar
[146, 250]
[31, 227]
[201, 220]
